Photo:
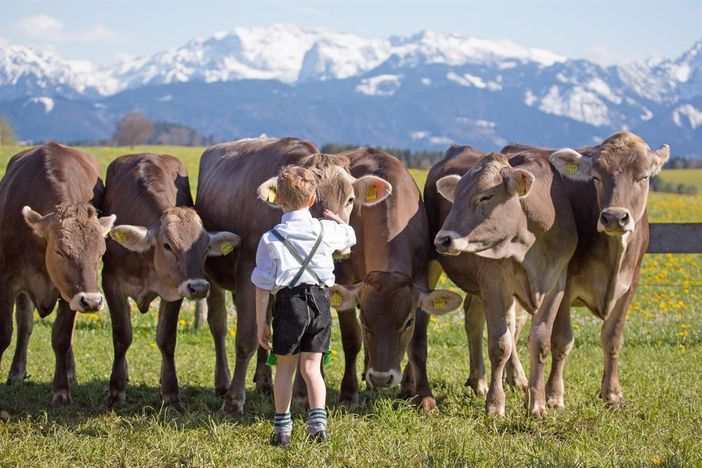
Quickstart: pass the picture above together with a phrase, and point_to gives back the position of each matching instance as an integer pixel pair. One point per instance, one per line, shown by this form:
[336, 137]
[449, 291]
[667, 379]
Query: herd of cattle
[526, 230]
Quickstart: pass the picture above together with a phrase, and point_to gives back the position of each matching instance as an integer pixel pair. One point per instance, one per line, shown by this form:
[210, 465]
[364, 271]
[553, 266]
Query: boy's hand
[328, 214]
[264, 337]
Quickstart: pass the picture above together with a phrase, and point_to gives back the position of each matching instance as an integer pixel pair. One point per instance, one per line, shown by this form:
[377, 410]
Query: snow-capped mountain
[442, 88]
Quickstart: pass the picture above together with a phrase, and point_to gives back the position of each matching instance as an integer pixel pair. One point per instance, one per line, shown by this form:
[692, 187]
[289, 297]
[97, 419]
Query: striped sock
[317, 420]
[282, 423]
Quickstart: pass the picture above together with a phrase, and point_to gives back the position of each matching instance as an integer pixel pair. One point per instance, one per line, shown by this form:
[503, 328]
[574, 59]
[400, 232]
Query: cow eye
[641, 179]
[409, 322]
[167, 246]
[351, 201]
[485, 198]
[596, 179]
[60, 254]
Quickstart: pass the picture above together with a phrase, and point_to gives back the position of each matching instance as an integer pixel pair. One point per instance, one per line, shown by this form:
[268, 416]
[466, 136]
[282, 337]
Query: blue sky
[604, 31]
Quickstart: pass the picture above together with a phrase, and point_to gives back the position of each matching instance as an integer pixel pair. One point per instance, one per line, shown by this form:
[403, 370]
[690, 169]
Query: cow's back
[227, 199]
[42, 177]
[393, 235]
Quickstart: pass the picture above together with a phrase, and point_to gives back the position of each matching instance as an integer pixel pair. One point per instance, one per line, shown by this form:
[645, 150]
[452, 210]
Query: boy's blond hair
[295, 186]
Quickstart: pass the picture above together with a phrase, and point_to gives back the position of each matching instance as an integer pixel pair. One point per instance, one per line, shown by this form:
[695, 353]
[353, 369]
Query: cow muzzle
[385, 379]
[451, 243]
[86, 302]
[615, 221]
[194, 289]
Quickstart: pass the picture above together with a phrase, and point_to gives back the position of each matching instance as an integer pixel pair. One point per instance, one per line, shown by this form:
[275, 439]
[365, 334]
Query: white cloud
[48, 28]
[602, 55]
[4, 42]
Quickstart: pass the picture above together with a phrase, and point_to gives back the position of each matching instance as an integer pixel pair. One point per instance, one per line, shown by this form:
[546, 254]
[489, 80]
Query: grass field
[684, 176]
[660, 373]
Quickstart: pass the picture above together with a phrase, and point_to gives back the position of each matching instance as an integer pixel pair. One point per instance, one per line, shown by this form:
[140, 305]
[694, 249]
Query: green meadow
[660, 374]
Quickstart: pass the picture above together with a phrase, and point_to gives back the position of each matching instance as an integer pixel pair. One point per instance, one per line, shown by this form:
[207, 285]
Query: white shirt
[275, 265]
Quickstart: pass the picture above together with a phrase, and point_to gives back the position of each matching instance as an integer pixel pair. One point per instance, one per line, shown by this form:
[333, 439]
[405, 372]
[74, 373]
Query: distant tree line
[134, 128]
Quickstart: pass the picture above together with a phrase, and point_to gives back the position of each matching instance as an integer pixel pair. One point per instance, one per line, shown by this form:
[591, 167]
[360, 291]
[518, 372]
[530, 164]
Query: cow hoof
[232, 409]
[174, 403]
[555, 403]
[495, 411]
[116, 399]
[4, 416]
[479, 386]
[348, 399]
[428, 405]
[221, 391]
[614, 400]
[519, 383]
[264, 387]
[538, 413]
[16, 378]
[61, 398]
[406, 394]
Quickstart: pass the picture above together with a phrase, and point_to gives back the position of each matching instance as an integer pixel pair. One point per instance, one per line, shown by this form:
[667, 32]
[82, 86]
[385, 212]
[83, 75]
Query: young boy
[294, 263]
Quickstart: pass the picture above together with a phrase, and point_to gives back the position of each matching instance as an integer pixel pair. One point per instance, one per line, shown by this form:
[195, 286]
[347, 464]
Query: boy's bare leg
[282, 387]
[310, 368]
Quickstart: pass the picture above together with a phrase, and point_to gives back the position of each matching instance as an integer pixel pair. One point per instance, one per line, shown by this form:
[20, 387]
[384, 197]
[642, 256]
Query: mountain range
[422, 91]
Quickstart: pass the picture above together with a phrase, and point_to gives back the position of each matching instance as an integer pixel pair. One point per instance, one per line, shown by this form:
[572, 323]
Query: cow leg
[166, 334]
[6, 306]
[121, 340]
[351, 341]
[612, 336]
[24, 313]
[263, 377]
[217, 320]
[61, 339]
[71, 361]
[418, 359]
[246, 345]
[561, 345]
[540, 347]
[499, 349]
[474, 322]
[514, 371]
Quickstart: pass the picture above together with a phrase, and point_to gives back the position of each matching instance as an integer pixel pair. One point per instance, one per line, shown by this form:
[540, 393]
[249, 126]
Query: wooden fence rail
[675, 238]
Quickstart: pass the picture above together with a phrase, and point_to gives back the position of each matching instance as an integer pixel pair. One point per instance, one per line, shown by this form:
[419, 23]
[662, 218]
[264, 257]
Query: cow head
[388, 301]
[75, 241]
[487, 217]
[620, 169]
[337, 190]
[180, 246]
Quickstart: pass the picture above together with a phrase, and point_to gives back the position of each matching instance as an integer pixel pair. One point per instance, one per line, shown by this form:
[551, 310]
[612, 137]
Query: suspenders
[304, 261]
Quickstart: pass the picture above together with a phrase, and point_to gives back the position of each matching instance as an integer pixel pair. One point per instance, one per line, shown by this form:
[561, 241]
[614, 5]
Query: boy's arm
[342, 236]
[264, 329]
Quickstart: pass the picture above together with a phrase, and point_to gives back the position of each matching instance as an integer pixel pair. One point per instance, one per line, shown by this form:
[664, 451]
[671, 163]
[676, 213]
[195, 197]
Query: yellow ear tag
[438, 302]
[119, 236]
[272, 195]
[372, 194]
[336, 299]
[227, 248]
[571, 168]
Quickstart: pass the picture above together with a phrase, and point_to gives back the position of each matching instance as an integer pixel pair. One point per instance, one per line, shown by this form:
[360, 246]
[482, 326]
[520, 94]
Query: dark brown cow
[52, 256]
[508, 236]
[158, 249]
[608, 188]
[385, 277]
[236, 193]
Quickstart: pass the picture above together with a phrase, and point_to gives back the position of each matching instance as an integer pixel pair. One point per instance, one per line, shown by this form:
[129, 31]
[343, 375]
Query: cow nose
[383, 379]
[89, 302]
[618, 216]
[443, 241]
[195, 289]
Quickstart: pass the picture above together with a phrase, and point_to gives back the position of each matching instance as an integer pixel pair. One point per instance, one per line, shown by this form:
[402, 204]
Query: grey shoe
[320, 436]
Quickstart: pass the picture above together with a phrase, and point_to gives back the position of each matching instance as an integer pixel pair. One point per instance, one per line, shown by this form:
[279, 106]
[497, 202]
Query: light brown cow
[236, 192]
[50, 254]
[157, 250]
[385, 277]
[508, 236]
[608, 188]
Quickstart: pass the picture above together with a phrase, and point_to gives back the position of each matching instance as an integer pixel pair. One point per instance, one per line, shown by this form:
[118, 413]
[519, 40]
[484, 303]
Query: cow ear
[106, 223]
[344, 298]
[268, 193]
[371, 190]
[38, 223]
[134, 238]
[519, 182]
[222, 243]
[447, 186]
[661, 156]
[571, 164]
[439, 301]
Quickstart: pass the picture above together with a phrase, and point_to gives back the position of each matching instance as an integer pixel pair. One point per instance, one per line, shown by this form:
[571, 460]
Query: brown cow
[508, 236]
[236, 192]
[608, 188]
[52, 256]
[386, 277]
[158, 249]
